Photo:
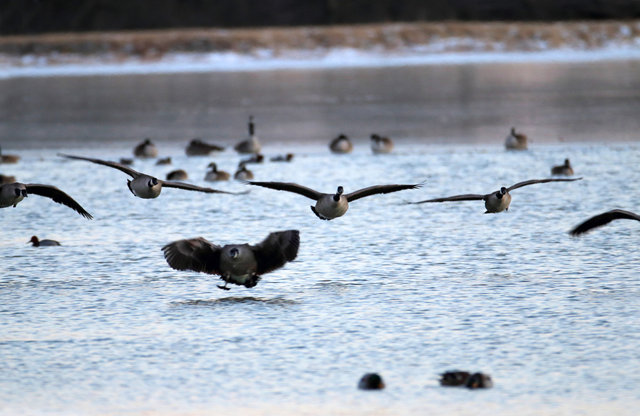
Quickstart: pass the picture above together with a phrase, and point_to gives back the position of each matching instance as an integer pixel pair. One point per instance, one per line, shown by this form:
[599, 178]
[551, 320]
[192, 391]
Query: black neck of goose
[252, 127]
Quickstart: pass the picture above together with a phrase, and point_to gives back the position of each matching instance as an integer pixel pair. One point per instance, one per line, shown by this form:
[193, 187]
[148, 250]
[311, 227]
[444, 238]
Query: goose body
[330, 206]
[164, 161]
[12, 193]
[454, 378]
[564, 169]
[280, 158]
[36, 242]
[216, 175]
[603, 219]
[515, 140]
[341, 145]
[197, 147]
[381, 145]
[8, 158]
[243, 174]
[240, 264]
[177, 175]
[497, 201]
[146, 149]
[146, 186]
[252, 144]
[371, 381]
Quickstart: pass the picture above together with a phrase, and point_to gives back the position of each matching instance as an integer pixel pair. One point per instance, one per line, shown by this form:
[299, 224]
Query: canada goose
[8, 158]
[286, 158]
[454, 378]
[197, 147]
[497, 201]
[330, 206]
[371, 381]
[12, 193]
[145, 186]
[341, 144]
[35, 242]
[243, 174]
[564, 169]
[257, 158]
[6, 179]
[380, 145]
[604, 218]
[479, 381]
[516, 141]
[240, 264]
[177, 175]
[216, 175]
[146, 149]
[164, 161]
[252, 144]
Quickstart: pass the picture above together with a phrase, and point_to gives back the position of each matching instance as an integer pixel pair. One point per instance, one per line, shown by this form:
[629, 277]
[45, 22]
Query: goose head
[34, 240]
[234, 252]
[375, 137]
[513, 131]
[339, 192]
[252, 127]
[213, 166]
[567, 163]
[502, 192]
[20, 192]
[152, 182]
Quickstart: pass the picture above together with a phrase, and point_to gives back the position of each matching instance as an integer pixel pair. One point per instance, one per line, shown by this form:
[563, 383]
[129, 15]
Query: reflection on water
[102, 324]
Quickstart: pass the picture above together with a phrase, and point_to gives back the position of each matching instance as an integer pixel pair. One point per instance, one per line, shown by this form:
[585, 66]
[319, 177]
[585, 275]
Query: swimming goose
[286, 158]
[199, 148]
[216, 175]
[6, 179]
[371, 381]
[252, 144]
[380, 145]
[8, 158]
[164, 161]
[146, 149]
[243, 174]
[604, 218]
[479, 381]
[177, 175]
[35, 242]
[145, 186]
[257, 158]
[12, 193]
[341, 144]
[516, 141]
[330, 206]
[564, 169]
[497, 201]
[240, 264]
[454, 378]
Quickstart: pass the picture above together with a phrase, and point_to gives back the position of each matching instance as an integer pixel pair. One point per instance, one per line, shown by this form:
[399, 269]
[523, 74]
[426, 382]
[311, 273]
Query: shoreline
[399, 44]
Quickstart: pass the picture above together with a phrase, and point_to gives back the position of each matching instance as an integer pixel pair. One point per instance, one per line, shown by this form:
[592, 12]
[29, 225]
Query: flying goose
[146, 149]
[145, 186]
[216, 175]
[8, 158]
[177, 175]
[497, 201]
[564, 169]
[35, 242]
[12, 193]
[330, 206]
[341, 144]
[371, 381]
[280, 158]
[240, 264]
[243, 174]
[199, 148]
[252, 144]
[515, 141]
[380, 145]
[602, 219]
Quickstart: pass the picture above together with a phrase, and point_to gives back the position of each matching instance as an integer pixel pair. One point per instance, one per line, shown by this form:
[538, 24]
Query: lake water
[102, 325]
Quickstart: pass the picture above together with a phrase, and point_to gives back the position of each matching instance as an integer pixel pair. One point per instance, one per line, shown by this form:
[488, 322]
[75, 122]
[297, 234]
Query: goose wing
[58, 196]
[277, 249]
[378, 189]
[195, 254]
[190, 187]
[465, 197]
[602, 219]
[290, 187]
[534, 181]
[126, 169]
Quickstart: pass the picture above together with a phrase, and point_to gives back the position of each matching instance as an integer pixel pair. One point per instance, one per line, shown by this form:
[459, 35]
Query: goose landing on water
[12, 193]
[497, 201]
[603, 219]
[145, 186]
[330, 206]
[240, 264]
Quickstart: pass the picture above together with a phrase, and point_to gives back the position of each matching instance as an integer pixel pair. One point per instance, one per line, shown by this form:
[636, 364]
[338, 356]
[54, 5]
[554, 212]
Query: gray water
[102, 325]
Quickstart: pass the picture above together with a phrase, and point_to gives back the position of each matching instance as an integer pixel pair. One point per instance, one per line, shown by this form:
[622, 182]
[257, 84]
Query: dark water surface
[102, 325]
